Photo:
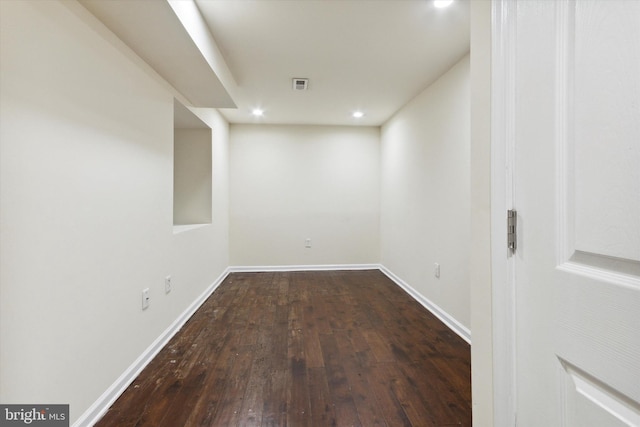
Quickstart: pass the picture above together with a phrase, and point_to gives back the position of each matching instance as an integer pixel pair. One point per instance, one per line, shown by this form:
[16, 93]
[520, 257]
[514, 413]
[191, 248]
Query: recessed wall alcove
[192, 184]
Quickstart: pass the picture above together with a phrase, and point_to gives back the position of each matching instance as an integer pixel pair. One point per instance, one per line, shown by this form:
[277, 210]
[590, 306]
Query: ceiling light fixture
[442, 3]
[358, 114]
[257, 112]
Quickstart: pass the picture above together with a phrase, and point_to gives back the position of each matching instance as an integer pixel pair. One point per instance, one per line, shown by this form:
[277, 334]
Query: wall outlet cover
[145, 298]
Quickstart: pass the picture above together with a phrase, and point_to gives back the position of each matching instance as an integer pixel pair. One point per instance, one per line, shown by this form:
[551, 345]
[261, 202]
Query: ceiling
[368, 55]
[237, 55]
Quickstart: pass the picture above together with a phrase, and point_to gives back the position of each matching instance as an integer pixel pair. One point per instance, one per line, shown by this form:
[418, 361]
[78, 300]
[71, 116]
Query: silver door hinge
[512, 222]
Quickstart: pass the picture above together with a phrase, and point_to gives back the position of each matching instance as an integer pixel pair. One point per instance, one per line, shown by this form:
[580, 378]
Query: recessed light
[358, 114]
[442, 3]
[258, 112]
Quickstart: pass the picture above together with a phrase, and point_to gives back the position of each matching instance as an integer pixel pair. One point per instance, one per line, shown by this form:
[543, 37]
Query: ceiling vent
[300, 84]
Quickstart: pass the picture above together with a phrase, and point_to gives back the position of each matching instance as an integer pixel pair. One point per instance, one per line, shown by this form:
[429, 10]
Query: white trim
[503, 101]
[177, 229]
[444, 317]
[321, 267]
[100, 406]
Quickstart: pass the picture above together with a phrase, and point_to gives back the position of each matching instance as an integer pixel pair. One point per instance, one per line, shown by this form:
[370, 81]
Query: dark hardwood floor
[297, 349]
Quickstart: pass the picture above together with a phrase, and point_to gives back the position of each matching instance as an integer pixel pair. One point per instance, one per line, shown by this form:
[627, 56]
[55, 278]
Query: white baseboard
[445, 317]
[100, 406]
[322, 267]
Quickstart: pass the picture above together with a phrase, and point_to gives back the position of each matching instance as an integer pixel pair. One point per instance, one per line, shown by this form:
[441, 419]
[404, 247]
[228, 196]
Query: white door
[576, 175]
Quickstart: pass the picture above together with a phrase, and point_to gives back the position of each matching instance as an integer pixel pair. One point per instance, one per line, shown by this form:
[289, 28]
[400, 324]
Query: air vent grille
[300, 84]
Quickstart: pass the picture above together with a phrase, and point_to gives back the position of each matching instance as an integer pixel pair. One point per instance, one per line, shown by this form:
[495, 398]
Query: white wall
[289, 183]
[86, 207]
[425, 192]
[192, 176]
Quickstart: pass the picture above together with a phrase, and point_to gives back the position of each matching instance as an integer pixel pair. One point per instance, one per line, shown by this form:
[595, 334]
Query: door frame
[503, 96]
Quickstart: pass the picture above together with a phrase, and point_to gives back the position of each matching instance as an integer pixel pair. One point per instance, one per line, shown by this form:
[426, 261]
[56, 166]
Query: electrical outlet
[436, 270]
[145, 298]
[167, 284]
[307, 243]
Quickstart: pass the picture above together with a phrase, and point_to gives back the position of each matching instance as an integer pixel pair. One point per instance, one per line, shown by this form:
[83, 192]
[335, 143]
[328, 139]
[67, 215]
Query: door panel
[599, 126]
[589, 402]
[600, 52]
[577, 191]
[598, 90]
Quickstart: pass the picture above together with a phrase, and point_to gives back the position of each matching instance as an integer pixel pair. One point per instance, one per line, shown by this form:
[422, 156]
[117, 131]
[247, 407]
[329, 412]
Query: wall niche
[192, 185]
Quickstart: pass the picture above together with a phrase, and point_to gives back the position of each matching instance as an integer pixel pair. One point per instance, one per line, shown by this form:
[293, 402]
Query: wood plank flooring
[297, 349]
